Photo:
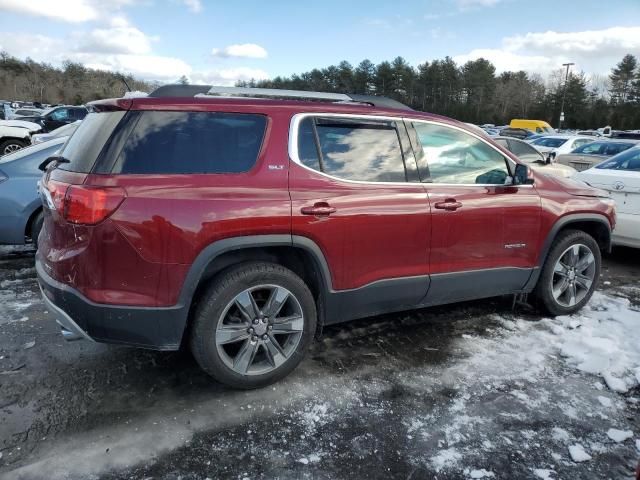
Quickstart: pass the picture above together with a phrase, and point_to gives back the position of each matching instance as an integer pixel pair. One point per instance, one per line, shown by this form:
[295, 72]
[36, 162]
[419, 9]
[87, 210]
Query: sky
[220, 42]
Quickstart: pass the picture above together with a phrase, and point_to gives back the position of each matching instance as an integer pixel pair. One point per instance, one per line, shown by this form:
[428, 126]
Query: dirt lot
[466, 391]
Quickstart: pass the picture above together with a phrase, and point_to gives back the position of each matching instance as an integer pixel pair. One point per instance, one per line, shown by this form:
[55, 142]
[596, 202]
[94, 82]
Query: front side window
[581, 141]
[191, 142]
[359, 150]
[456, 157]
[525, 152]
[60, 115]
[592, 148]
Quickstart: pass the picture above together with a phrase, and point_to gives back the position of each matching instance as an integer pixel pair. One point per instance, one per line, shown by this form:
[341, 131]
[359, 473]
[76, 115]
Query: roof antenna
[124, 80]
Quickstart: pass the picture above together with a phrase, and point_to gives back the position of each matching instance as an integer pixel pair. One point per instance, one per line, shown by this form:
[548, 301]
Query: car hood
[555, 169]
[576, 187]
[32, 127]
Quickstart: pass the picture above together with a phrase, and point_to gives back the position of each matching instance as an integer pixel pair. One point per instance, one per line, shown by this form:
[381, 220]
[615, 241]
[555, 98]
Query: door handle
[319, 209]
[449, 204]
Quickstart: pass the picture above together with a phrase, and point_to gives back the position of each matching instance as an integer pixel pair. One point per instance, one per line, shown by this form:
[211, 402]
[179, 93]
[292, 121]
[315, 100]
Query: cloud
[244, 50]
[120, 37]
[194, 5]
[73, 11]
[611, 41]
[141, 65]
[594, 51]
[474, 4]
[228, 77]
[149, 67]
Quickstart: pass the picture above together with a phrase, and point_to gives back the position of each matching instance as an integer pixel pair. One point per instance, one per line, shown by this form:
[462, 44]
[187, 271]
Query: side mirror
[521, 175]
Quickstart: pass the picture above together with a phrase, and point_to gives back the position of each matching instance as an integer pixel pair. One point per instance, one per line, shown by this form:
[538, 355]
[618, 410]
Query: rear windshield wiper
[58, 159]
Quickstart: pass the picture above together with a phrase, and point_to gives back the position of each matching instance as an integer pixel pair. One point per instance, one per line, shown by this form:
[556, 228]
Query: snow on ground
[619, 435]
[506, 391]
[578, 454]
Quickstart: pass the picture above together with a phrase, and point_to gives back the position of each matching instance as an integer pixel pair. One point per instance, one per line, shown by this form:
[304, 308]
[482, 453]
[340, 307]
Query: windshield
[552, 142]
[627, 160]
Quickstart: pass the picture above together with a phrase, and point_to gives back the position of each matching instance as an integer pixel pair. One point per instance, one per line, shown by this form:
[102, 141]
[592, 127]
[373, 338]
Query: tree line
[474, 93]
[471, 92]
[73, 83]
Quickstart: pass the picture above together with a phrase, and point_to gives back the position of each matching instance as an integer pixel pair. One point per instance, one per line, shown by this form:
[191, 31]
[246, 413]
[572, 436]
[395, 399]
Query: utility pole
[564, 92]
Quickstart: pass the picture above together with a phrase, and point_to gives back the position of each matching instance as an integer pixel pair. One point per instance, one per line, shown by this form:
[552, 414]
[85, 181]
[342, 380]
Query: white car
[620, 175]
[560, 144]
[16, 134]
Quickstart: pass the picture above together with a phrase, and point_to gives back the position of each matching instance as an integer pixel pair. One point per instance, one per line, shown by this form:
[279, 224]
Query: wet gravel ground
[457, 392]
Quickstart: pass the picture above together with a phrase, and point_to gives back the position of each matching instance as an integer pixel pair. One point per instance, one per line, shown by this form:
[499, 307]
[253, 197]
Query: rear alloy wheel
[570, 273]
[254, 325]
[10, 146]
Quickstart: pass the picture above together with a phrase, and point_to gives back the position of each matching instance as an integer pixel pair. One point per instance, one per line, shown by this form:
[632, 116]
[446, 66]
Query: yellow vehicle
[536, 126]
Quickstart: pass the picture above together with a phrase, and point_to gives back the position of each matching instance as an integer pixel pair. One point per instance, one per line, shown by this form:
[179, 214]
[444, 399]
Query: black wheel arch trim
[561, 223]
[209, 253]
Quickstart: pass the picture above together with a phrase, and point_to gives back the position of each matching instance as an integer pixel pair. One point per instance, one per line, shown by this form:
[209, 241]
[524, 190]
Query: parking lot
[472, 390]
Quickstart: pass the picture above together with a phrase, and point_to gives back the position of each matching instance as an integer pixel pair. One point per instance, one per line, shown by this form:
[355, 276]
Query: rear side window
[360, 150]
[86, 143]
[192, 142]
[615, 148]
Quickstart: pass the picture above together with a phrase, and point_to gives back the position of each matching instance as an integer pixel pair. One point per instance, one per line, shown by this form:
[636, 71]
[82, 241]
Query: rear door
[484, 231]
[369, 214]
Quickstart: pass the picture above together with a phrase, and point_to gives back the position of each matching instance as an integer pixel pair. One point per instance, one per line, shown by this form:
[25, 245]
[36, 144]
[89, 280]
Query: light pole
[564, 92]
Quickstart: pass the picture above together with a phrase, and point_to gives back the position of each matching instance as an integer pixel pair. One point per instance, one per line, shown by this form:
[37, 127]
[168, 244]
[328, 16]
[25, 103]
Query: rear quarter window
[84, 146]
[192, 142]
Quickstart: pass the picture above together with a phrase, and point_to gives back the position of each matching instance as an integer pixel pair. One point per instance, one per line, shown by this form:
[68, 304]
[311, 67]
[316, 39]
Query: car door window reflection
[457, 157]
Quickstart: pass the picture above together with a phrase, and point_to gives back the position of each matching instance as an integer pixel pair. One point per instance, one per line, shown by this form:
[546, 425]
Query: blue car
[20, 206]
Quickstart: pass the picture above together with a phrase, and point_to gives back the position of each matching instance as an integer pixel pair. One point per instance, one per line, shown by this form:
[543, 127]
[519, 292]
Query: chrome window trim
[299, 117]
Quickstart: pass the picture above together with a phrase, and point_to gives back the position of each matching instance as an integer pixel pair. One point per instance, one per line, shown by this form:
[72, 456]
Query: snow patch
[544, 473]
[604, 401]
[619, 435]
[560, 434]
[445, 459]
[481, 473]
[578, 454]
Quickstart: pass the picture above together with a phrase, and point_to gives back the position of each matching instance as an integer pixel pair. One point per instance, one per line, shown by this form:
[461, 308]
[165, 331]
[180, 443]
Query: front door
[351, 195]
[483, 228]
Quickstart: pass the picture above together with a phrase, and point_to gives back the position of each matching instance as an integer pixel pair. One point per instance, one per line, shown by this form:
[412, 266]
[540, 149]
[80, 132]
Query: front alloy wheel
[573, 275]
[570, 273]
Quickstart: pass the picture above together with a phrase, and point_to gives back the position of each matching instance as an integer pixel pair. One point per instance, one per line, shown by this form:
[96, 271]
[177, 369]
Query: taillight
[57, 191]
[91, 205]
[84, 205]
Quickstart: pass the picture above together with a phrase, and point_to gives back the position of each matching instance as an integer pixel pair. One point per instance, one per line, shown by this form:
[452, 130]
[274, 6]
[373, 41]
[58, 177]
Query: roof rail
[205, 90]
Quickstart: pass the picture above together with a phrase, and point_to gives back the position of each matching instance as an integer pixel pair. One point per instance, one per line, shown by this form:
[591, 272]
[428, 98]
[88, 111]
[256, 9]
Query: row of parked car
[19, 131]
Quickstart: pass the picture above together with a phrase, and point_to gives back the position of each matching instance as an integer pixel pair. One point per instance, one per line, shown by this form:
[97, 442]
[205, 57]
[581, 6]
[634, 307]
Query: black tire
[213, 305]
[11, 144]
[36, 227]
[543, 292]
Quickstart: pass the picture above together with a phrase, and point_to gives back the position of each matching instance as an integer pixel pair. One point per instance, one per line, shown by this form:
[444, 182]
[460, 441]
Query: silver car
[588, 155]
[20, 205]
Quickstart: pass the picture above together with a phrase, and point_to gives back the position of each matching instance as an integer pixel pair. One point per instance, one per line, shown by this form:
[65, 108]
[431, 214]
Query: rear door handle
[319, 209]
[450, 204]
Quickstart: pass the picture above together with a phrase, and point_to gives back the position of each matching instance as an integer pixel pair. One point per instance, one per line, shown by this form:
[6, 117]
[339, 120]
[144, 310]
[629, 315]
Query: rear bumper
[158, 328]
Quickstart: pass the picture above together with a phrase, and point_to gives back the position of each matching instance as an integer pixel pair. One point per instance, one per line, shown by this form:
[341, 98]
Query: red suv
[240, 221]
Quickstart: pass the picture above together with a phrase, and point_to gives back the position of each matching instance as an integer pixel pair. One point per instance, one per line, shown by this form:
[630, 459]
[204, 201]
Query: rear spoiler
[110, 105]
